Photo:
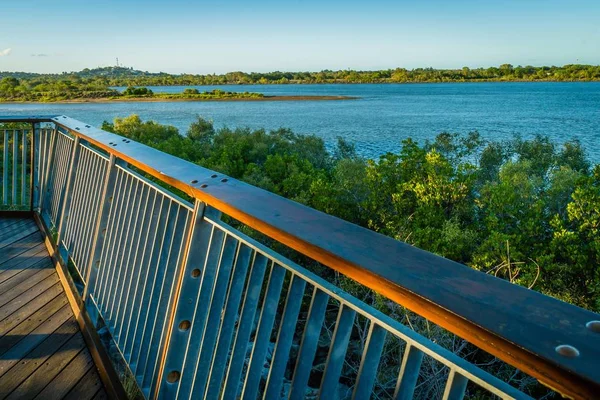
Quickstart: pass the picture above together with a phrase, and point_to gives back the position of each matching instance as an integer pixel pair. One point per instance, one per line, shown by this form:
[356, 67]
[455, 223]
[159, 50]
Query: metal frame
[519, 326]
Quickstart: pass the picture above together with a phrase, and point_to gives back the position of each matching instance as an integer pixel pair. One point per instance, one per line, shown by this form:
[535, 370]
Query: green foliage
[525, 210]
[47, 88]
[216, 94]
[42, 88]
[96, 83]
[137, 91]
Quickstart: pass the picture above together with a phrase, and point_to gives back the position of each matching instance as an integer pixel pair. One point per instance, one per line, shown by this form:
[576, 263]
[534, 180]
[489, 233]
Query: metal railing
[198, 309]
[16, 159]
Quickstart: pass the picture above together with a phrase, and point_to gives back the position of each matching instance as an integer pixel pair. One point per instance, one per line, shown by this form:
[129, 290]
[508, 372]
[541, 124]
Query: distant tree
[137, 91]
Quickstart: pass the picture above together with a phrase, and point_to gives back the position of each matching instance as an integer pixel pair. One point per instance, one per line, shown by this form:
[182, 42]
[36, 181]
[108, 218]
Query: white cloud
[5, 52]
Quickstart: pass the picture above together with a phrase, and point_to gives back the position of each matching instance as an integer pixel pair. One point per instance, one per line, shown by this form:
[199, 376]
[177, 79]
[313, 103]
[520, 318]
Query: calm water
[384, 114]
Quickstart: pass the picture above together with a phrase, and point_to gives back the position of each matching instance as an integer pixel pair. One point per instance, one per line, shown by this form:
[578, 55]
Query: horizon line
[302, 71]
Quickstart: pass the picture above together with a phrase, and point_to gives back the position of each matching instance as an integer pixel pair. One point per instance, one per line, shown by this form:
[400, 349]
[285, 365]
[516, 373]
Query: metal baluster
[47, 151]
[263, 332]
[94, 201]
[35, 165]
[15, 166]
[129, 267]
[240, 347]
[208, 264]
[369, 364]
[54, 183]
[161, 324]
[409, 373]
[5, 170]
[455, 386]
[196, 245]
[285, 338]
[211, 328]
[337, 350]
[61, 169]
[130, 306]
[41, 164]
[114, 224]
[73, 237]
[155, 223]
[308, 346]
[125, 241]
[67, 194]
[100, 230]
[158, 302]
[148, 301]
[230, 316]
[24, 167]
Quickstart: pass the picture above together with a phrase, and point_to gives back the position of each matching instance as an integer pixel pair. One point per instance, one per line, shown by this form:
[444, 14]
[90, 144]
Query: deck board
[42, 351]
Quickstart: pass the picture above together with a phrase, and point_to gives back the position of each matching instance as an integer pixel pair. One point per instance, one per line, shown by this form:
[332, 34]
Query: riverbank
[183, 99]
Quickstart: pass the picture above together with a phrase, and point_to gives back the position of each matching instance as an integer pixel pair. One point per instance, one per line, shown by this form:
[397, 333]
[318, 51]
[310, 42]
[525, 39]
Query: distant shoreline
[171, 100]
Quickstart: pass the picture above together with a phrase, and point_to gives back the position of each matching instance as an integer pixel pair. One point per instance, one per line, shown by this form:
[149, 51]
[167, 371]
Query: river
[383, 115]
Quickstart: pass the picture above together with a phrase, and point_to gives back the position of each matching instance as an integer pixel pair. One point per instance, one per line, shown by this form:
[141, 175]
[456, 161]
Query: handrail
[520, 326]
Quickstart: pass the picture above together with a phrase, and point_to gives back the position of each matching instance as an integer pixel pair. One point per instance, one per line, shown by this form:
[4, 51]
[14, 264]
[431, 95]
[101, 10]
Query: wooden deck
[42, 351]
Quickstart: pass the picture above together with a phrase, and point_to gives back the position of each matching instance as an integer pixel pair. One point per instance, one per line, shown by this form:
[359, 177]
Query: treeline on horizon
[14, 89]
[105, 77]
[98, 83]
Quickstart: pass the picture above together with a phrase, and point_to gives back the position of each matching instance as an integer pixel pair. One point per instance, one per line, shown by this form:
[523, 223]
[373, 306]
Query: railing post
[100, 228]
[66, 195]
[173, 351]
[23, 166]
[34, 190]
[15, 163]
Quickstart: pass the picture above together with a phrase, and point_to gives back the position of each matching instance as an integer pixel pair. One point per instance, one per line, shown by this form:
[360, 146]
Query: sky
[200, 36]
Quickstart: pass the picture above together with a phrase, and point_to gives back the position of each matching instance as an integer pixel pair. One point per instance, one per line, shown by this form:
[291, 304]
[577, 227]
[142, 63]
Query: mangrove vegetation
[527, 211]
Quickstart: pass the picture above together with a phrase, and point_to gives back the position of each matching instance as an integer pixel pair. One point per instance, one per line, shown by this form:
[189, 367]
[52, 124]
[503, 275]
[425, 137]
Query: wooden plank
[36, 255]
[14, 376]
[24, 281]
[22, 330]
[38, 335]
[106, 370]
[18, 247]
[27, 296]
[48, 371]
[23, 271]
[87, 387]
[30, 254]
[29, 308]
[68, 377]
[5, 222]
[17, 232]
[101, 395]
[12, 225]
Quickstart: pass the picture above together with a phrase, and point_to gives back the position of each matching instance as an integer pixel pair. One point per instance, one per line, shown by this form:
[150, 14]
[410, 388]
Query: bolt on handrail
[544, 337]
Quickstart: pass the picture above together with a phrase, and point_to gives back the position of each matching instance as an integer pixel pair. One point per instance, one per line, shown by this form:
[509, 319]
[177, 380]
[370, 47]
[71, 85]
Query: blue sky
[214, 37]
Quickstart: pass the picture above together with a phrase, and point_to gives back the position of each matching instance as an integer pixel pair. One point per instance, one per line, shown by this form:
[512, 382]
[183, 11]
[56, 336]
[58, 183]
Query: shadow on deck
[42, 351]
